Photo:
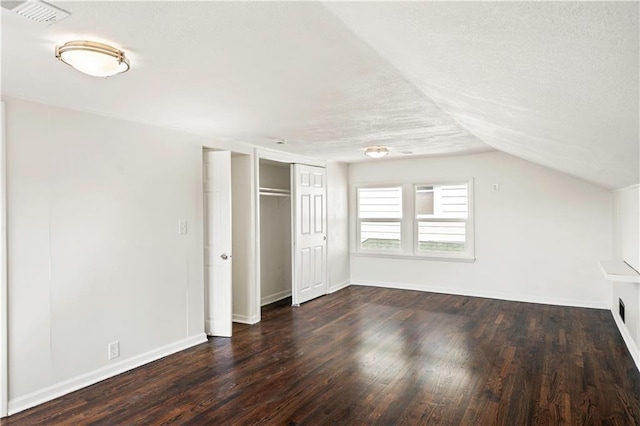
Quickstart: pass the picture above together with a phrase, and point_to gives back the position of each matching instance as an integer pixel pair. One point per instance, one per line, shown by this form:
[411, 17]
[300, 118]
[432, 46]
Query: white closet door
[310, 241]
[217, 202]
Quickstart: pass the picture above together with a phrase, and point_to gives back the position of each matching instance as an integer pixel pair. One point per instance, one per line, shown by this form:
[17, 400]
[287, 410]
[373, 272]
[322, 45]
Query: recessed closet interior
[275, 231]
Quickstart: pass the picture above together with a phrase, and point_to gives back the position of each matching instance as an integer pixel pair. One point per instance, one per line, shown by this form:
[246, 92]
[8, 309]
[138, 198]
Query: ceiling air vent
[35, 10]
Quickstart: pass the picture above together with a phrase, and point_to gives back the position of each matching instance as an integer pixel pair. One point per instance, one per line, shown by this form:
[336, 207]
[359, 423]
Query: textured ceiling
[553, 83]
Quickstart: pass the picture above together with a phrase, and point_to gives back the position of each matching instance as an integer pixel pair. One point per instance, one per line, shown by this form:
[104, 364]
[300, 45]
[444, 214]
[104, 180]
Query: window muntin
[442, 213]
[380, 218]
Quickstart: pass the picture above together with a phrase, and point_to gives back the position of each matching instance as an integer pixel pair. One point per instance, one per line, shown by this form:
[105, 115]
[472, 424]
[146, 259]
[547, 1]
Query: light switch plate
[182, 227]
[114, 350]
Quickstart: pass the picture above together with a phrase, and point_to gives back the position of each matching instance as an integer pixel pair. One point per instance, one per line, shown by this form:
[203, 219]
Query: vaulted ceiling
[551, 82]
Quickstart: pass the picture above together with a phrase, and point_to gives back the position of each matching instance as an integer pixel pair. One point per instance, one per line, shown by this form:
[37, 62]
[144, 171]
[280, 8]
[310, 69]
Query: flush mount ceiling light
[376, 151]
[93, 58]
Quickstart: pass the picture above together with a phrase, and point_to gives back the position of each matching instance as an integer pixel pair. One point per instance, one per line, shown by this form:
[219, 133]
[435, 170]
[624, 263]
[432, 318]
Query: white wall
[626, 241]
[338, 225]
[243, 230]
[275, 235]
[4, 383]
[538, 239]
[627, 226]
[94, 250]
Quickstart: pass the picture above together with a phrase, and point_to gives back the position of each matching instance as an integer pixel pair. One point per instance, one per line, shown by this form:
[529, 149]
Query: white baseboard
[489, 295]
[244, 319]
[54, 391]
[339, 286]
[274, 297]
[628, 340]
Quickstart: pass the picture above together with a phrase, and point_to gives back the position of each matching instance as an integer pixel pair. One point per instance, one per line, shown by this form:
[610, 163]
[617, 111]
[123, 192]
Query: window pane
[424, 200]
[441, 236]
[380, 235]
[442, 201]
[380, 203]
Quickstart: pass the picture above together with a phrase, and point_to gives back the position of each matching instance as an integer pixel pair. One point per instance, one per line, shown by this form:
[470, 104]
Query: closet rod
[270, 194]
[275, 192]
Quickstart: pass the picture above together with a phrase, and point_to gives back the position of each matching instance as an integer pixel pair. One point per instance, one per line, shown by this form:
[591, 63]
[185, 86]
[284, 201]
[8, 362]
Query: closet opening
[275, 231]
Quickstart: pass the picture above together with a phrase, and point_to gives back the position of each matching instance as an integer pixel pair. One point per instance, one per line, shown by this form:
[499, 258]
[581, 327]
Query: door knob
[224, 256]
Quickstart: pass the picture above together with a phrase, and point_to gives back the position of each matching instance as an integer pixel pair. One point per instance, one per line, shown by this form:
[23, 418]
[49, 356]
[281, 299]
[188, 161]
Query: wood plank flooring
[379, 356]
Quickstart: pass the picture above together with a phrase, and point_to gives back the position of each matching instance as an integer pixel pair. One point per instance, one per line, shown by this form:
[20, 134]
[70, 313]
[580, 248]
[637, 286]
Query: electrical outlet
[114, 350]
[182, 227]
[495, 187]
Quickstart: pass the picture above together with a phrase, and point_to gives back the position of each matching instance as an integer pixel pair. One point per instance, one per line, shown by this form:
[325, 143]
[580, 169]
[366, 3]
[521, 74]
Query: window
[431, 220]
[441, 213]
[380, 219]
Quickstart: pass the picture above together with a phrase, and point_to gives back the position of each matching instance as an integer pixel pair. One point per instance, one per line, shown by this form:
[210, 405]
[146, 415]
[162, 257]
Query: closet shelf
[275, 192]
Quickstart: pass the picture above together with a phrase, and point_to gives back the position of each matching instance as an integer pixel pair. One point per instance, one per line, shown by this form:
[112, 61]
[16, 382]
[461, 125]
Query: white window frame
[469, 252]
[409, 223]
[395, 220]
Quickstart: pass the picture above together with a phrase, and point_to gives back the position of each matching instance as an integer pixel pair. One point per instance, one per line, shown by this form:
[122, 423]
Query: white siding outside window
[442, 212]
[379, 218]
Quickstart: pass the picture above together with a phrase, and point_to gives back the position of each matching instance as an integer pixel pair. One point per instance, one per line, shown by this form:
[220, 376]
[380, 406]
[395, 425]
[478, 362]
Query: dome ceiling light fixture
[93, 58]
[376, 151]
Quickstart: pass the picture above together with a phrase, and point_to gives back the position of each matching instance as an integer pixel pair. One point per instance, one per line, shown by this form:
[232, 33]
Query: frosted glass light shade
[376, 151]
[93, 58]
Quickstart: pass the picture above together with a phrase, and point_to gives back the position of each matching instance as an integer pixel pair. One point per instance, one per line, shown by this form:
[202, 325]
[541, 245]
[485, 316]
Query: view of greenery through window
[380, 244]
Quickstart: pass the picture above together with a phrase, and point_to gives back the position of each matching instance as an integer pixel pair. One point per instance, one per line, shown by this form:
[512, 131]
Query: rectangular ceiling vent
[36, 10]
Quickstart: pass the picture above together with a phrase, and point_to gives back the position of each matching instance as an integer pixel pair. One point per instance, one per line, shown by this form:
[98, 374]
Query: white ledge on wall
[619, 271]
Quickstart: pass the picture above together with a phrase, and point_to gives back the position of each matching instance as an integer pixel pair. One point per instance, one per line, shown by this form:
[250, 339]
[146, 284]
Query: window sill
[442, 258]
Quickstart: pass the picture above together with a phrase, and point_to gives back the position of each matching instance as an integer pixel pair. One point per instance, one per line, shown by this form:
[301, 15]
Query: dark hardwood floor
[378, 356]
